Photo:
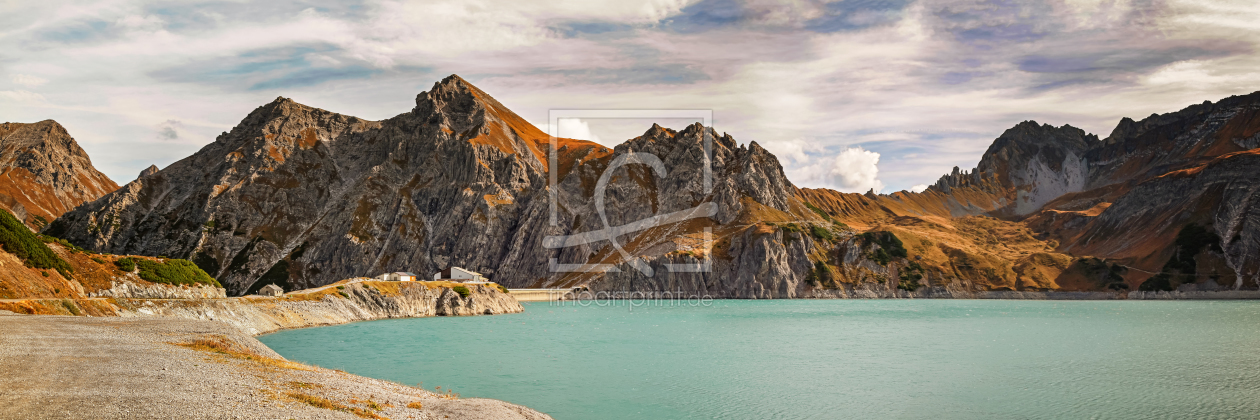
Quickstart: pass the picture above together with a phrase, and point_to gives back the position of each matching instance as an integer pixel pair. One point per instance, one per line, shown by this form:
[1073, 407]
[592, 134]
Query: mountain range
[302, 197]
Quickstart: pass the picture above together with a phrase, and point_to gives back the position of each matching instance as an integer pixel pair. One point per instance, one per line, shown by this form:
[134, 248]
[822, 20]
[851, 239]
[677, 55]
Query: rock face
[44, 172]
[1039, 163]
[302, 197]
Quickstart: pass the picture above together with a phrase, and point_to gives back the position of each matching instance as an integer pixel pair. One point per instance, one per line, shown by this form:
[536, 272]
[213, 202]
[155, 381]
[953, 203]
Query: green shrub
[502, 288]
[1181, 268]
[881, 256]
[838, 224]
[341, 287]
[174, 271]
[64, 243]
[126, 264]
[1190, 241]
[820, 212]
[820, 276]
[910, 276]
[18, 240]
[463, 291]
[889, 246]
[70, 306]
[821, 233]
[791, 227]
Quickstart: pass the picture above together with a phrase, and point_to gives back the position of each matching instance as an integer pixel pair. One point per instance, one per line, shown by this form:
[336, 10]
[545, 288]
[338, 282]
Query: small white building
[397, 276]
[460, 275]
[271, 290]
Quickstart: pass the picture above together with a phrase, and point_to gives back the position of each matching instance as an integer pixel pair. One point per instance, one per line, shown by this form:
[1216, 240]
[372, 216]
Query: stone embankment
[1196, 295]
[881, 291]
[337, 304]
[159, 291]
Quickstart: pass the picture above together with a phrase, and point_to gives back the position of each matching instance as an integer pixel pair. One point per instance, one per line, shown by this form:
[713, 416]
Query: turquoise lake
[823, 359]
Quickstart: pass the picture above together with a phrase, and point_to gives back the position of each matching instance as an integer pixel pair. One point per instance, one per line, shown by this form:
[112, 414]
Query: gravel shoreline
[126, 368]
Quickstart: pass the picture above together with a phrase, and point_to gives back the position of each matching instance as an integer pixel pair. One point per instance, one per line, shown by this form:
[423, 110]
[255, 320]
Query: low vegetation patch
[820, 276]
[415, 405]
[889, 246]
[324, 403]
[71, 307]
[501, 287]
[127, 264]
[827, 217]
[463, 291]
[224, 346]
[176, 272]
[910, 276]
[304, 385]
[18, 240]
[821, 233]
[1182, 268]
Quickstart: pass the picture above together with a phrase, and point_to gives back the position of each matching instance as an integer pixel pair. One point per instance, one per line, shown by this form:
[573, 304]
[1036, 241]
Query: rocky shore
[155, 351]
[128, 368]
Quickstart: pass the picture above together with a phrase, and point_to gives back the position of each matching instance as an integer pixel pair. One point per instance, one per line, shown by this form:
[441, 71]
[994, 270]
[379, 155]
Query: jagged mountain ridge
[303, 197]
[44, 172]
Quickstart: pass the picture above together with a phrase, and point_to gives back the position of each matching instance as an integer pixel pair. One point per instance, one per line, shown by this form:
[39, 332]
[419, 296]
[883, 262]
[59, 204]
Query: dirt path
[120, 368]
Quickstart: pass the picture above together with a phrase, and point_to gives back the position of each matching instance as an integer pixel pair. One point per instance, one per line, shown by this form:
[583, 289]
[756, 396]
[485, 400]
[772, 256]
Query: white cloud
[796, 92]
[919, 188]
[856, 170]
[572, 128]
[169, 130]
[28, 80]
[794, 149]
[22, 96]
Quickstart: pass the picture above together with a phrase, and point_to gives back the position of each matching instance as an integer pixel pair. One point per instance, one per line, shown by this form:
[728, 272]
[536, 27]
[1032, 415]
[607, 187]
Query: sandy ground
[127, 368]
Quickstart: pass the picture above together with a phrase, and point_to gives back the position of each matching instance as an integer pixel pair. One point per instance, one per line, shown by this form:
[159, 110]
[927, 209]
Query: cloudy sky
[851, 94]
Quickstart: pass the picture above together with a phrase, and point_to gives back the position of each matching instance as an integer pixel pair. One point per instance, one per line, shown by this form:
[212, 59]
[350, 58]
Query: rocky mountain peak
[656, 131]
[1029, 141]
[152, 169]
[45, 173]
[456, 107]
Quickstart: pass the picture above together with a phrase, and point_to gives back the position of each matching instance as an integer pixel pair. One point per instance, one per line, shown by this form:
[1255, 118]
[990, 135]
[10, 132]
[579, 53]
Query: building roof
[446, 273]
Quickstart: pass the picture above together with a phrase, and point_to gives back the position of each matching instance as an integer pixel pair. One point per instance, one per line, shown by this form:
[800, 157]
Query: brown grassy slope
[951, 238]
[92, 273]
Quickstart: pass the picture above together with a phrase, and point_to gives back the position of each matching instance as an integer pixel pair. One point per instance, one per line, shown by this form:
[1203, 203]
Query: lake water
[823, 359]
